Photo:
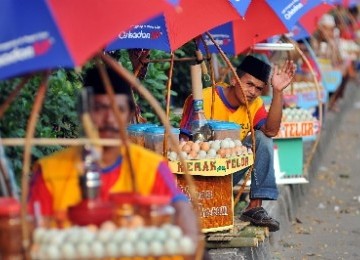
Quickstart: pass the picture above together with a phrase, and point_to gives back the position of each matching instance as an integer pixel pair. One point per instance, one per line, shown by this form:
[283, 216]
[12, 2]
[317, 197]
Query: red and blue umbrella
[43, 34]
[175, 27]
[262, 20]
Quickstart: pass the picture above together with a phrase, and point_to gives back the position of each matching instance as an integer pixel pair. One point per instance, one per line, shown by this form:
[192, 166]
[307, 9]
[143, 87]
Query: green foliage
[58, 117]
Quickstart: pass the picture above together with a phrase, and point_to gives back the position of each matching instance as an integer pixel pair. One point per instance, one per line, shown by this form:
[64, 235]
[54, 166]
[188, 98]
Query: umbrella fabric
[43, 34]
[241, 6]
[262, 20]
[174, 28]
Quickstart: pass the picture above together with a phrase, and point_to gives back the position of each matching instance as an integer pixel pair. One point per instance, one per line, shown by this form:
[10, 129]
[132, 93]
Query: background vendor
[229, 105]
[55, 183]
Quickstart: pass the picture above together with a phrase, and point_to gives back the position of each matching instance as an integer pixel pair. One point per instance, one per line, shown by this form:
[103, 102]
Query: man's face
[104, 118]
[252, 87]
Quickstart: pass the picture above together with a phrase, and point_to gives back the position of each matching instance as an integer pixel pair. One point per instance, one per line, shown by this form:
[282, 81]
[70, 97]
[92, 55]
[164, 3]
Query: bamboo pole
[226, 59]
[168, 96]
[118, 115]
[4, 106]
[30, 131]
[159, 111]
[59, 141]
[169, 60]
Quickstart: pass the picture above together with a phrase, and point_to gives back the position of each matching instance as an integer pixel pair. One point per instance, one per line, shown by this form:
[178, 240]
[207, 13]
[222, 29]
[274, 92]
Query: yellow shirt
[224, 112]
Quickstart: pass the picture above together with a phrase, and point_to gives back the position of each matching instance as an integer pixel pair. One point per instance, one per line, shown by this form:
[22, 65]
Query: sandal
[259, 217]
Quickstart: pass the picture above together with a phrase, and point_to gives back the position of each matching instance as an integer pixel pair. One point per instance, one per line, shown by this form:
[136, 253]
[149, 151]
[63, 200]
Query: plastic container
[223, 129]
[155, 210]
[154, 138]
[10, 229]
[136, 132]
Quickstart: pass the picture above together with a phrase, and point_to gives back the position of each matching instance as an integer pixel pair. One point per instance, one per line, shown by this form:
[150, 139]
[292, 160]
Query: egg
[195, 147]
[136, 221]
[201, 154]
[156, 248]
[97, 249]
[83, 250]
[193, 155]
[228, 152]
[205, 146]
[51, 252]
[39, 234]
[186, 148]
[249, 151]
[112, 250]
[141, 248]
[184, 155]
[211, 153]
[221, 152]
[224, 144]
[174, 232]
[231, 144]
[172, 156]
[108, 225]
[215, 145]
[186, 246]
[127, 249]
[238, 143]
[160, 235]
[181, 144]
[68, 251]
[119, 235]
[171, 247]
[148, 234]
[86, 235]
[104, 235]
[58, 239]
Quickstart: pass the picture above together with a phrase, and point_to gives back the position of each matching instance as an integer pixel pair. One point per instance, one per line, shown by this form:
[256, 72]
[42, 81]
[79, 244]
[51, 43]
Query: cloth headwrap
[93, 79]
[256, 68]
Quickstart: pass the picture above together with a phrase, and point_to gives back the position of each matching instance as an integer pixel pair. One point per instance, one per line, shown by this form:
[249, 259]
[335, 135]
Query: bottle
[199, 127]
[90, 181]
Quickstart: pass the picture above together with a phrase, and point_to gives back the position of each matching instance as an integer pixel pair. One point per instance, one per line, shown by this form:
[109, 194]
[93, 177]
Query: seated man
[229, 105]
[55, 183]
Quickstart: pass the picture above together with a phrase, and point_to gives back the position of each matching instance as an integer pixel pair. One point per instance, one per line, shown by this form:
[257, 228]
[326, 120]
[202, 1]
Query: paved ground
[327, 224]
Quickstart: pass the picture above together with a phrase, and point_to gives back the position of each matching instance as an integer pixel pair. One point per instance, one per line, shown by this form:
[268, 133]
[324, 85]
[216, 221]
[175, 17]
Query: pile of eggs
[302, 86]
[297, 115]
[209, 150]
[108, 241]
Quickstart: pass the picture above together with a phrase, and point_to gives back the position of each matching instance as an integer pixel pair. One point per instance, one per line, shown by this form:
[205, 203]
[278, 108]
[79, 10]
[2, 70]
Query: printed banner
[298, 129]
[213, 167]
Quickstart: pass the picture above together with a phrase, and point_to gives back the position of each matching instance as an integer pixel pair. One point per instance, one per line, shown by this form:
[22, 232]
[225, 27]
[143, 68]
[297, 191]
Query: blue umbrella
[43, 34]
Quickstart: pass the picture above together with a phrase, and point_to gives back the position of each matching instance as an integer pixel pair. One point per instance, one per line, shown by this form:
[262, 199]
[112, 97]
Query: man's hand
[282, 77]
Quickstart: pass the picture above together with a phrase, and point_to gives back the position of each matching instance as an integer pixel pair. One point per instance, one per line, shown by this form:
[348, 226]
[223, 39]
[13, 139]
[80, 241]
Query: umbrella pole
[123, 135]
[30, 131]
[4, 106]
[212, 76]
[226, 59]
[168, 96]
[159, 111]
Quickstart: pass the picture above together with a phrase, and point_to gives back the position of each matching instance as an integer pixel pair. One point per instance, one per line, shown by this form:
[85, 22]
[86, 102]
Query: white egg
[104, 235]
[224, 144]
[83, 250]
[39, 234]
[211, 153]
[58, 239]
[112, 249]
[231, 144]
[160, 235]
[174, 232]
[51, 252]
[73, 234]
[249, 151]
[141, 248]
[48, 235]
[148, 234]
[171, 247]
[119, 235]
[127, 249]
[68, 251]
[156, 248]
[202, 154]
[296, 118]
[97, 249]
[237, 142]
[215, 145]
[186, 246]
[132, 235]
[172, 156]
[87, 235]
